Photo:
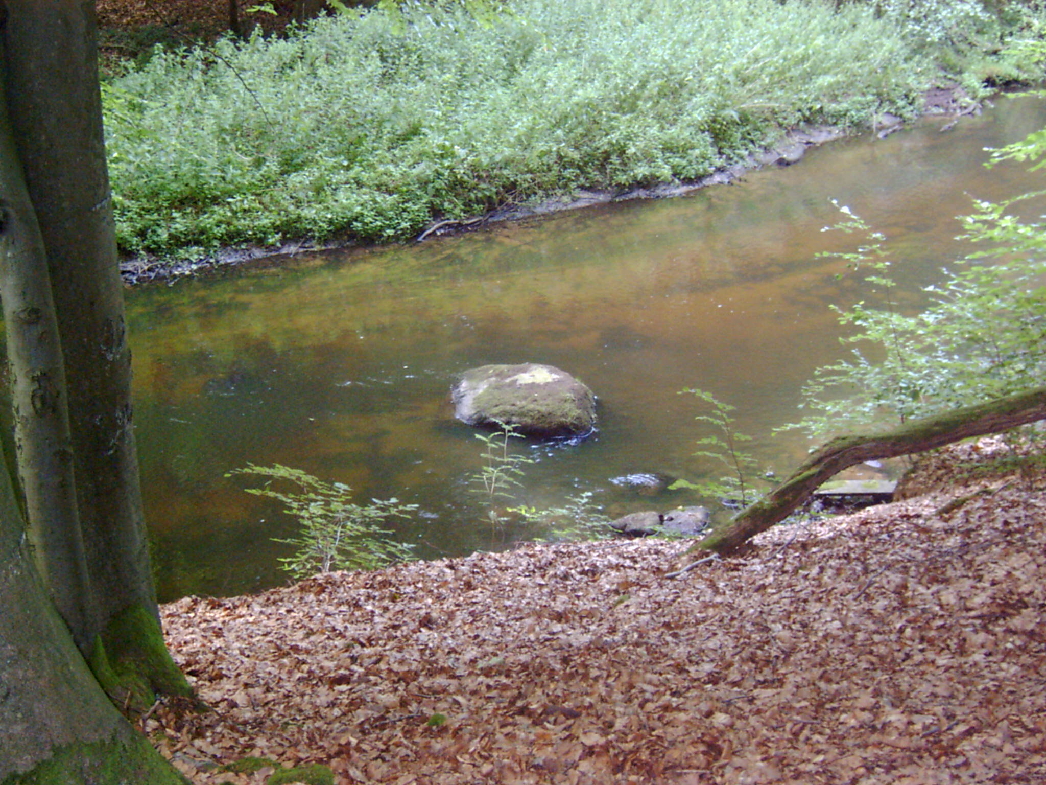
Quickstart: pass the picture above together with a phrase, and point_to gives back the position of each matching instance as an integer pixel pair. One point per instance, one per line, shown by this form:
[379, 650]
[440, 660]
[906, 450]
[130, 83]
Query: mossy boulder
[681, 522]
[536, 400]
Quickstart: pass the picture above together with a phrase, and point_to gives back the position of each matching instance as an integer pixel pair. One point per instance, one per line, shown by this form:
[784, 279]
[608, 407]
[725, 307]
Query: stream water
[340, 363]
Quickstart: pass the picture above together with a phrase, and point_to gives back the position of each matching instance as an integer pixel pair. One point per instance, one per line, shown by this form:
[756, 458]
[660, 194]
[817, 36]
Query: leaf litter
[903, 644]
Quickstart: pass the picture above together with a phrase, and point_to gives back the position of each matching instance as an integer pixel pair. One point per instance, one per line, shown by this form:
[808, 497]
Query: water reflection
[341, 365]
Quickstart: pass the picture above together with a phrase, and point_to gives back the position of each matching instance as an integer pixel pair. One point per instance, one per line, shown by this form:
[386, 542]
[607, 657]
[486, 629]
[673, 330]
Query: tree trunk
[917, 436]
[38, 392]
[50, 70]
[234, 19]
[56, 724]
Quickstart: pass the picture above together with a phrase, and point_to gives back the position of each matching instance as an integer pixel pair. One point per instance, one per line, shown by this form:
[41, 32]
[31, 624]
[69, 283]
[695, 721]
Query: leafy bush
[736, 489]
[981, 338]
[941, 22]
[336, 533]
[371, 125]
[971, 40]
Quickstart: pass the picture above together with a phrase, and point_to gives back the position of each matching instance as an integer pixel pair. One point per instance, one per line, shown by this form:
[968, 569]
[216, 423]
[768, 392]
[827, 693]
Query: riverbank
[948, 102]
[787, 152]
[376, 127]
[901, 644]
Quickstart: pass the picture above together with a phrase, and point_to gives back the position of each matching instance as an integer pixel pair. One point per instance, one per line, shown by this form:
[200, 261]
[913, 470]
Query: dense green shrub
[981, 337]
[363, 126]
[969, 38]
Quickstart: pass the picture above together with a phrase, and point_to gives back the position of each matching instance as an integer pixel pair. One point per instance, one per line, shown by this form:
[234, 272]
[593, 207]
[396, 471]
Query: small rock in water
[687, 521]
[638, 524]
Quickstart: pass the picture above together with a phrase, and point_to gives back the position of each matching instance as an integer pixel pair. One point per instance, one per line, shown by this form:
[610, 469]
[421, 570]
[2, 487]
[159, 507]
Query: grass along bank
[361, 128]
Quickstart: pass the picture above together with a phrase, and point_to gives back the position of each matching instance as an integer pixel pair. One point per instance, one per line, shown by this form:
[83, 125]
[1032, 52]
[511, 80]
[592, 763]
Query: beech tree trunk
[234, 19]
[38, 393]
[917, 436]
[50, 72]
[56, 723]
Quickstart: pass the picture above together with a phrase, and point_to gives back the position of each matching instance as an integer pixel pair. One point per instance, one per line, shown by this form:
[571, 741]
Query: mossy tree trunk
[53, 101]
[56, 723]
[917, 436]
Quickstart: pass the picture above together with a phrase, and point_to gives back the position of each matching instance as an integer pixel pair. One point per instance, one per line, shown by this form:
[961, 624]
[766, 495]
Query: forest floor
[903, 644]
[127, 26]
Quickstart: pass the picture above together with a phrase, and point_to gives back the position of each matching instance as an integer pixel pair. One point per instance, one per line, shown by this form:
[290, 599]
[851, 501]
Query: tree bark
[917, 436]
[234, 19]
[50, 71]
[56, 724]
[38, 392]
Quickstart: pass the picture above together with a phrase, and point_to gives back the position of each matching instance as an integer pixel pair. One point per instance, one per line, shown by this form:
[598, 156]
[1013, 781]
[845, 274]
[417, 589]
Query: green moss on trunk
[132, 663]
[129, 760]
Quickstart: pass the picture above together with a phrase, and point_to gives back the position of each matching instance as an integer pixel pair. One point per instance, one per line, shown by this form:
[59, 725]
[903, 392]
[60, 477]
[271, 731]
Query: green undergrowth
[369, 127]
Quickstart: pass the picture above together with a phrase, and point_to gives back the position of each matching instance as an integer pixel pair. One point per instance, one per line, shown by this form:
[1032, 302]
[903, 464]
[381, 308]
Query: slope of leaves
[904, 644]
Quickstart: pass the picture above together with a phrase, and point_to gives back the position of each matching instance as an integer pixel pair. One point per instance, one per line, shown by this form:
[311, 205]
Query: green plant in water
[578, 519]
[735, 489]
[501, 473]
[336, 533]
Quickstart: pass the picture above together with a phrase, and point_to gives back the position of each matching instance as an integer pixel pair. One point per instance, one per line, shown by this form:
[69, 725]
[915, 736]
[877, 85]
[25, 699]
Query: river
[339, 363]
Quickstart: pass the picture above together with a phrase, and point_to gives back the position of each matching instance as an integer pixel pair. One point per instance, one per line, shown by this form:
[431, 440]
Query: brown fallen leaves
[892, 646]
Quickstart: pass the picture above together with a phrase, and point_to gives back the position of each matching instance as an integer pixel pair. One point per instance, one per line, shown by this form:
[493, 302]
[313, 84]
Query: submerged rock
[645, 483]
[536, 400]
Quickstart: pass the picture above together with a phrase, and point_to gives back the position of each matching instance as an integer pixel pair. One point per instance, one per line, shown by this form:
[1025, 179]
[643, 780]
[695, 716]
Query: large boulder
[536, 400]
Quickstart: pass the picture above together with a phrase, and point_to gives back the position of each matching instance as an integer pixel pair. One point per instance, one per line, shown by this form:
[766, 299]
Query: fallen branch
[996, 416]
[950, 507]
[970, 111]
[444, 224]
[692, 565]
